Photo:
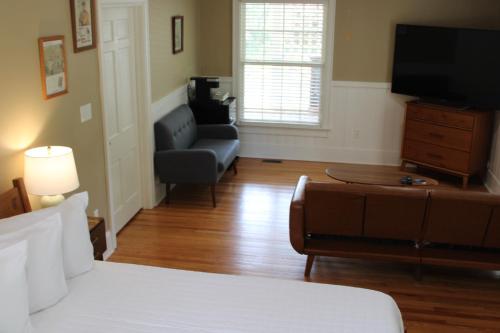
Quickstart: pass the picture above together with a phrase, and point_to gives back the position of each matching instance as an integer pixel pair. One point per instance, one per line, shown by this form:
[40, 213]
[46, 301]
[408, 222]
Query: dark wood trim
[174, 18]
[15, 201]
[93, 18]
[23, 194]
[41, 52]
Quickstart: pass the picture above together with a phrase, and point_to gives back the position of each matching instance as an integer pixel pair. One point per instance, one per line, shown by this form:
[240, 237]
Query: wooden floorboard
[247, 234]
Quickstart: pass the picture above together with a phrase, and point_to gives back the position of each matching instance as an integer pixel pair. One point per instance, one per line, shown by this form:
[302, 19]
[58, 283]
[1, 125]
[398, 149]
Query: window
[281, 65]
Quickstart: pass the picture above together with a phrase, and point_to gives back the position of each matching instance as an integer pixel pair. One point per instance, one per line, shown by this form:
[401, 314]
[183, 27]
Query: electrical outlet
[96, 213]
[86, 112]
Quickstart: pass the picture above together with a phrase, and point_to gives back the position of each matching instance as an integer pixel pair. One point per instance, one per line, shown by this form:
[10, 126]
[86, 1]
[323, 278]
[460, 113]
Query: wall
[364, 119]
[216, 37]
[26, 119]
[169, 71]
[364, 32]
[365, 125]
[493, 179]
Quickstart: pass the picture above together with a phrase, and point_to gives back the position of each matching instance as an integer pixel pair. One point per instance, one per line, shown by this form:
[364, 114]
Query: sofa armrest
[297, 215]
[187, 166]
[219, 131]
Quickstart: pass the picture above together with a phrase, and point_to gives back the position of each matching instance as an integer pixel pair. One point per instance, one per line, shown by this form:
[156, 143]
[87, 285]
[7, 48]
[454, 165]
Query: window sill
[283, 129]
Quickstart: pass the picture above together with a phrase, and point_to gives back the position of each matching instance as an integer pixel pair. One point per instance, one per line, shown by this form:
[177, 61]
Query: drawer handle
[95, 240]
[435, 156]
[436, 135]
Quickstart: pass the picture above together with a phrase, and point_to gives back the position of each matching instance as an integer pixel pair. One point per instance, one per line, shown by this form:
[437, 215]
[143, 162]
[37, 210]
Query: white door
[120, 108]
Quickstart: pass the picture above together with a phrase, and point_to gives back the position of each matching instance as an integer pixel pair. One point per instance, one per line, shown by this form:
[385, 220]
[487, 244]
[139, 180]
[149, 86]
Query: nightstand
[97, 229]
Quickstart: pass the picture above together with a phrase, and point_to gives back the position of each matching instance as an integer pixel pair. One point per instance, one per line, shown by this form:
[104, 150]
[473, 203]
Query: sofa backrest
[402, 213]
[176, 130]
[363, 210]
[463, 218]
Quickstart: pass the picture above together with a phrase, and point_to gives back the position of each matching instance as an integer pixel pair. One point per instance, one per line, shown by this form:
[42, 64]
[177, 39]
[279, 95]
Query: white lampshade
[50, 170]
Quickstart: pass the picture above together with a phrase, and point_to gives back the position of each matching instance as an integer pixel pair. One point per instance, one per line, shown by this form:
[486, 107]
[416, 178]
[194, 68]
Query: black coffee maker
[207, 110]
[200, 88]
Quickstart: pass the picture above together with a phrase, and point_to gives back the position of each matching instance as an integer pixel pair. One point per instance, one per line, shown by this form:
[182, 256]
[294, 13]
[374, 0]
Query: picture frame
[177, 34]
[83, 24]
[53, 66]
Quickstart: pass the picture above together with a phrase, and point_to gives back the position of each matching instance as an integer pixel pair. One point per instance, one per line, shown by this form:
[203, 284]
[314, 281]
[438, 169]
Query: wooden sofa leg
[235, 169]
[214, 201]
[167, 197]
[309, 264]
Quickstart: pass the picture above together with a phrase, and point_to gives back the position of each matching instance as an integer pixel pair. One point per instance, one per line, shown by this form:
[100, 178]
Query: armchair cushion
[225, 150]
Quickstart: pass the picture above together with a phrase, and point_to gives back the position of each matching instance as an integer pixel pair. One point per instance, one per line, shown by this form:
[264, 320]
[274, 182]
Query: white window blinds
[282, 61]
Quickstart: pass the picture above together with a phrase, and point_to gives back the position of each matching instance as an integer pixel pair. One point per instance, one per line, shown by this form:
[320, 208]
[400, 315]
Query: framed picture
[53, 66]
[177, 34]
[83, 24]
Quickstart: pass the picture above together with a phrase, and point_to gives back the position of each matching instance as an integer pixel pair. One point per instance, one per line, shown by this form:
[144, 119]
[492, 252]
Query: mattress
[130, 298]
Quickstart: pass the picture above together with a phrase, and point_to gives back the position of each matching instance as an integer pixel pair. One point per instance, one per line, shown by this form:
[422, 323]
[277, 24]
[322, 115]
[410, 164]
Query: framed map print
[83, 24]
[53, 66]
[177, 34]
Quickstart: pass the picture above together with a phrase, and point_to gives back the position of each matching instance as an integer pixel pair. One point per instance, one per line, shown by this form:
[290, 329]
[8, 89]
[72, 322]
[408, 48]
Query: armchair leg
[309, 264]
[214, 201]
[167, 197]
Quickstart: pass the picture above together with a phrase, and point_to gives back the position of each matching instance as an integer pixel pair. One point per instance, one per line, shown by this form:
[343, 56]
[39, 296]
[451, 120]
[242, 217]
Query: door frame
[140, 10]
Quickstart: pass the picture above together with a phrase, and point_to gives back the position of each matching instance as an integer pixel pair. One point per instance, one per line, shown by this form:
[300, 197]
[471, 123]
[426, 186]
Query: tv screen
[448, 65]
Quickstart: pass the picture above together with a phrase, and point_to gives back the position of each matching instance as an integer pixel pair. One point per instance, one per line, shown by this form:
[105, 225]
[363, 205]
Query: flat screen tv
[448, 65]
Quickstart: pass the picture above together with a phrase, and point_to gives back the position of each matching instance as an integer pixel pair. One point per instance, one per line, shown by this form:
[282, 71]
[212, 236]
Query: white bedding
[129, 298]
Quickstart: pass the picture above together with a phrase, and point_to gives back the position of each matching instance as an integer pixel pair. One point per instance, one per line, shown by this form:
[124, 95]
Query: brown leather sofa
[403, 224]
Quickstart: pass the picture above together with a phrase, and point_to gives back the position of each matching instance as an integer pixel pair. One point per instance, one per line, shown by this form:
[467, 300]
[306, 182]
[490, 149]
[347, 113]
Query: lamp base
[51, 200]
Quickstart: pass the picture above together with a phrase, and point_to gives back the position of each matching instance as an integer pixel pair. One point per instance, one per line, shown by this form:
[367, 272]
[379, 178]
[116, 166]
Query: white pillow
[45, 272]
[14, 304]
[78, 252]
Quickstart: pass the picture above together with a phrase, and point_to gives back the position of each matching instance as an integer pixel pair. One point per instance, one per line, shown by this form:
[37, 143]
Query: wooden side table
[97, 229]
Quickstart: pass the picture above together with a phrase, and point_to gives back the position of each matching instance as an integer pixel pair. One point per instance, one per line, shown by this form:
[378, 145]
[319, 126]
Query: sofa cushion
[226, 150]
[176, 130]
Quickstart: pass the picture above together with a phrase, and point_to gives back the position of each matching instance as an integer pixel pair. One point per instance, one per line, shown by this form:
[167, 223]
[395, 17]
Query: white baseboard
[320, 154]
[492, 182]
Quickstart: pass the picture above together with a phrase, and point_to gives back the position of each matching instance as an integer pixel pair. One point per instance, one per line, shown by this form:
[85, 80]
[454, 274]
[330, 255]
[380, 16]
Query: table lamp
[50, 172]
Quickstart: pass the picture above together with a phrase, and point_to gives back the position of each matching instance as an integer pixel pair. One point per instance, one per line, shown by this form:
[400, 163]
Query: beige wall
[364, 32]
[216, 37]
[169, 71]
[26, 119]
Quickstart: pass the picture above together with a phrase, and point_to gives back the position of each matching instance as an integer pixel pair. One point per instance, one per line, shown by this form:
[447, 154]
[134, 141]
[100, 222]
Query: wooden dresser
[447, 139]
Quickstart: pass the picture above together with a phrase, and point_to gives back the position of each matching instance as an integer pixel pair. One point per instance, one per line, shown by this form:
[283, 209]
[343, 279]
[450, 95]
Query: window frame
[326, 73]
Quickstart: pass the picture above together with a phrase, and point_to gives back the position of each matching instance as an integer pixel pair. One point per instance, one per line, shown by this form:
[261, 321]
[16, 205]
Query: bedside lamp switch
[86, 112]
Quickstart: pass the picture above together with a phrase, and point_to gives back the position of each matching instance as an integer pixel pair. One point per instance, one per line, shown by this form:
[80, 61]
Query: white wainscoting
[365, 125]
[160, 108]
[493, 178]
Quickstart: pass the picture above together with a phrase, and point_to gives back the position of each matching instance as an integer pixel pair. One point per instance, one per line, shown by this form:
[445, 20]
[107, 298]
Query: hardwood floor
[248, 234]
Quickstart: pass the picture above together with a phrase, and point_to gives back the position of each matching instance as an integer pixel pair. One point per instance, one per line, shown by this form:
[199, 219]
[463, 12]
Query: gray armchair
[187, 153]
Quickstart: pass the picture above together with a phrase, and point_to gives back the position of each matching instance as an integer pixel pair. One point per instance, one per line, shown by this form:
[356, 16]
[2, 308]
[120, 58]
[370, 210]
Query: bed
[126, 298]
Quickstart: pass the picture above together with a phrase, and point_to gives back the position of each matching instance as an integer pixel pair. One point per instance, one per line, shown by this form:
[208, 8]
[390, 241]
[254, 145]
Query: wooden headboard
[15, 201]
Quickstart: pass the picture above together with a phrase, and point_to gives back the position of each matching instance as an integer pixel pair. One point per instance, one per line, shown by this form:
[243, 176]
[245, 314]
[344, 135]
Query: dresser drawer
[439, 135]
[447, 118]
[441, 157]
